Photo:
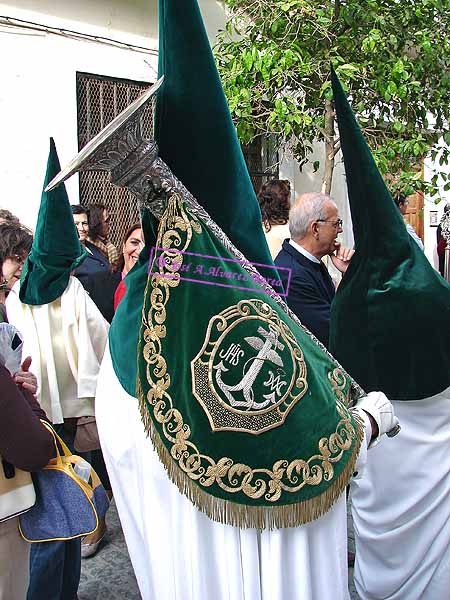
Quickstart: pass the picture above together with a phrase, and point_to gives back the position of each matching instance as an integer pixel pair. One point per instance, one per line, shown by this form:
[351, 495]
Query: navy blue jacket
[94, 262]
[310, 290]
[98, 281]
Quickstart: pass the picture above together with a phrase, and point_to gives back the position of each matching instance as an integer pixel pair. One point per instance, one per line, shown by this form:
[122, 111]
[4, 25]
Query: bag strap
[66, 451]
[94, 479]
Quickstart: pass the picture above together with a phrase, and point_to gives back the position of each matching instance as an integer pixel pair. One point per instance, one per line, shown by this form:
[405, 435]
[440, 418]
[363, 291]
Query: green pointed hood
[197, 139]
[390, 318]
[56, 250]
[196, 134]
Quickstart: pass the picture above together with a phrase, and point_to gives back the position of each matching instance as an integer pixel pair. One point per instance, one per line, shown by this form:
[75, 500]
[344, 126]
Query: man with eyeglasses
[314, 225]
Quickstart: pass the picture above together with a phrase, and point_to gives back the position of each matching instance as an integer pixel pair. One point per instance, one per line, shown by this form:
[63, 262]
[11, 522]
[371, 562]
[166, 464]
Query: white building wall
[308, 181]
[38, 86]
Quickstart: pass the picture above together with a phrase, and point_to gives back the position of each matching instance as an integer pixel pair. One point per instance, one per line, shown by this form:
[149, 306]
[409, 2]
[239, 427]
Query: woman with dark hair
[107, 288]
[133, 243]
[274, 201]
[24, 442]
[15, 244]
[6, 216]
[99, 231]
[94, 272]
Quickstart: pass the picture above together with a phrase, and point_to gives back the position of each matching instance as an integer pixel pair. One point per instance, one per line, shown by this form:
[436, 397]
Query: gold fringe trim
[243, 515]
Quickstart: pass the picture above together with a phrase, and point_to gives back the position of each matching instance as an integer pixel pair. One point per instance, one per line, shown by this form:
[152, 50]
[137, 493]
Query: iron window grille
[99, 100]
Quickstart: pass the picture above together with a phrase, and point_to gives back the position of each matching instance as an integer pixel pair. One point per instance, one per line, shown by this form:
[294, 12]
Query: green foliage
[392, 56]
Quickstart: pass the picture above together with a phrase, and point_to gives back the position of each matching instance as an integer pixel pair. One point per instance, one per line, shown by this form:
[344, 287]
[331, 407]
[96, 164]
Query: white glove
[381, 409]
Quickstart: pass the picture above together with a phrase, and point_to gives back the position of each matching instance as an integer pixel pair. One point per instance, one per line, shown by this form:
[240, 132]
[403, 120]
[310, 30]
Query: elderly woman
[25, 444]
[15, 244]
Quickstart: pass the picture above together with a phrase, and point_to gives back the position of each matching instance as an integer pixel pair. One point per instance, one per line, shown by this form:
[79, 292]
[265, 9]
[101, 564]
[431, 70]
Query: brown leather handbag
[86, 436]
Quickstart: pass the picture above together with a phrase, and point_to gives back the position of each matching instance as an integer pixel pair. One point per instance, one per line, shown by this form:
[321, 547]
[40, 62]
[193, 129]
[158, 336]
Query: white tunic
[180, 554]
[66, 340]
[401, 508]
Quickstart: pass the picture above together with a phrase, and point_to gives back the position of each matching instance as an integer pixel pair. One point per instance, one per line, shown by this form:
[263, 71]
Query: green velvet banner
[247, 412]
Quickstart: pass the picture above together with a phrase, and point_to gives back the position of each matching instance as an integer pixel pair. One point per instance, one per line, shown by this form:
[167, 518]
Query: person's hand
[341, 256]
[380, 410]
[26, 379]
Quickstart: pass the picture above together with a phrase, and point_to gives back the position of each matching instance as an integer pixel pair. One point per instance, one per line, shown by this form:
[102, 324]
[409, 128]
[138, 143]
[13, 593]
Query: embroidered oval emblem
[250, 371]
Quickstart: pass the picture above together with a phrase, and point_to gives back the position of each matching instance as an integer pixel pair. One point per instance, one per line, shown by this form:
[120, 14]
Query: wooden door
[414, 212]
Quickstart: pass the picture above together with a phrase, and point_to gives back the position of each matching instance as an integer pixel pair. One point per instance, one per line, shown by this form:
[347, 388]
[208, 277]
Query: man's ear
[314, 229]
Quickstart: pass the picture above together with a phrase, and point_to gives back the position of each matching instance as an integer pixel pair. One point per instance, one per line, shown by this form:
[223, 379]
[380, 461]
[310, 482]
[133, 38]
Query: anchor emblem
[266, 345]
[250, 372]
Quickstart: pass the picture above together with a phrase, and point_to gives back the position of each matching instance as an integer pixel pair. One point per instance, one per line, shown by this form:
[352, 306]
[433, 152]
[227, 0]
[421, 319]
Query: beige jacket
[66, 340]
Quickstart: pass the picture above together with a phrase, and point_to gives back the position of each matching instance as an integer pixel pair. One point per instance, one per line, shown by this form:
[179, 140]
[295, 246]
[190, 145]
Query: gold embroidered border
[284, 476]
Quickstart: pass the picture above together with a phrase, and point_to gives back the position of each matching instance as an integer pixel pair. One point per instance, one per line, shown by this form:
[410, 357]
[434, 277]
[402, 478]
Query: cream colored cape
[66, 340]
[180, 554]
[401, 508]
[275, 238]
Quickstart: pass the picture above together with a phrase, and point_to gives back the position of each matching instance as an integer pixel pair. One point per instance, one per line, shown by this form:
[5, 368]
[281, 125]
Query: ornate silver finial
[121, 149]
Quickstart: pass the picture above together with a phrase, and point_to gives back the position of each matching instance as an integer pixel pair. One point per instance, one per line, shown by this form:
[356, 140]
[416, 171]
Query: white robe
[66, 340]
[180, 554]
[401, 508]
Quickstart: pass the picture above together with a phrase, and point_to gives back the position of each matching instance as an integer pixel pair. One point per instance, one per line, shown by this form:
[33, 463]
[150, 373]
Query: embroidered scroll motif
[242, 380]
[272, 344]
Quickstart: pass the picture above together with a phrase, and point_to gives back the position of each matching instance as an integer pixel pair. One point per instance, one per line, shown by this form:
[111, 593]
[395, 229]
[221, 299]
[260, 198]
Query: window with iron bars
[99, 100]
[262, 160]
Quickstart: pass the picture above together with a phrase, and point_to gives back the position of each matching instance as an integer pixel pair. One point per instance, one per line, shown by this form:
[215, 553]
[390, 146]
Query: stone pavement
[109, 575]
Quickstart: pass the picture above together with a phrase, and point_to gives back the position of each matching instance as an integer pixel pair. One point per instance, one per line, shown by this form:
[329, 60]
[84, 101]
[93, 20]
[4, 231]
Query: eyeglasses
[335, 224]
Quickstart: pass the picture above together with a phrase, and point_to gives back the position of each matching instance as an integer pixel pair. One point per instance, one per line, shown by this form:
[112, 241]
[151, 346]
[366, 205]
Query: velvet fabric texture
[195, 132]
[56, 250]
[188, 374]
[390, 318]
[197, 139]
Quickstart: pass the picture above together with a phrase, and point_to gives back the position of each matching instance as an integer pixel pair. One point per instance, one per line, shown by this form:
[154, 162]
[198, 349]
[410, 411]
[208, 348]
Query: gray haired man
[314, 225]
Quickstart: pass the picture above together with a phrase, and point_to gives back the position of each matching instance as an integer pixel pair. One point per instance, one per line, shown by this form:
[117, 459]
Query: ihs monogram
[266, 346]
[250, 371]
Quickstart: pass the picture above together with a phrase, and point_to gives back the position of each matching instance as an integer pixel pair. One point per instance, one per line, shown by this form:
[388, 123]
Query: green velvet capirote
[390, 319]
[198, 141]
[56, 249]
[196, 134]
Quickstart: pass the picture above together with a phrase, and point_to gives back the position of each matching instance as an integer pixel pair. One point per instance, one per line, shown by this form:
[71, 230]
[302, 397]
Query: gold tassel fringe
[243, 515]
